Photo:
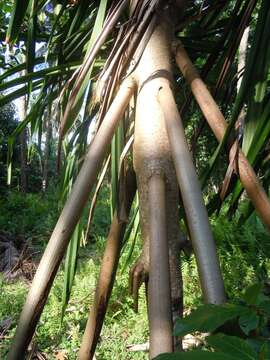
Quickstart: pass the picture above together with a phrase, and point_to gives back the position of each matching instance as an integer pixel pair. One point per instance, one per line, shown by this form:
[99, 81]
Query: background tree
[8, 124]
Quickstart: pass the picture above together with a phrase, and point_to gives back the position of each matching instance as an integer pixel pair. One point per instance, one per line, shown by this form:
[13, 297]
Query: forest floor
[30, 219]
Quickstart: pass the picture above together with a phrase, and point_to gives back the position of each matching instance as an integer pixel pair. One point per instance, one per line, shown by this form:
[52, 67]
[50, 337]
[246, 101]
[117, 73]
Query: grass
[122, 325]
[243, 253]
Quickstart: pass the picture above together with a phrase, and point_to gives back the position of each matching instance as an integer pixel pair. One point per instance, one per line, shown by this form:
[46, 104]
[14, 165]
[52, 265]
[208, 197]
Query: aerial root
[138, 275]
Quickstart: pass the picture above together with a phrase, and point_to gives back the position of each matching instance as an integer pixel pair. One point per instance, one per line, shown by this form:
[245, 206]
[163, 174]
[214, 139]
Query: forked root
[139, 274]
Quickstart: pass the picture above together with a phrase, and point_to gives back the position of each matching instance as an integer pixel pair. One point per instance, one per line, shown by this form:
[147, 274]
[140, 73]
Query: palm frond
[15, 23]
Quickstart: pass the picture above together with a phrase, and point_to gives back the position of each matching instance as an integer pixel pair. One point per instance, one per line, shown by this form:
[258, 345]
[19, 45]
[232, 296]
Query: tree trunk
[152, 154]
[47, 152]
[152, 158]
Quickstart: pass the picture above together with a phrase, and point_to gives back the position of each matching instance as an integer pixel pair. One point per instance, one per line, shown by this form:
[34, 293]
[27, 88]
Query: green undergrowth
[30, 215]
[122, 326]
[35, 217]
[243, 252]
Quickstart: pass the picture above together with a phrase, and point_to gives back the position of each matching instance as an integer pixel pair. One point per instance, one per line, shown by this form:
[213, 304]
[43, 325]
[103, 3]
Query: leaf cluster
[240, 330]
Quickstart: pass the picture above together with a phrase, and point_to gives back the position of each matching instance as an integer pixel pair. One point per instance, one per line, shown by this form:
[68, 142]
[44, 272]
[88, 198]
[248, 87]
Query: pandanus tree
[127, 61]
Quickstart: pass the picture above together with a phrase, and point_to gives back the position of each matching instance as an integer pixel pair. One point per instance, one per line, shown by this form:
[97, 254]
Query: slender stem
[82, 72]
[219, 125]
[159, 292]
[107, 274]
[67, 221]
[107, 28]
[198, 222]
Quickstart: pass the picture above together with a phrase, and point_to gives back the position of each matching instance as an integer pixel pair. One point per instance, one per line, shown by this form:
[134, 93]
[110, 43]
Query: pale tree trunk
[152, 157]
[47, 151]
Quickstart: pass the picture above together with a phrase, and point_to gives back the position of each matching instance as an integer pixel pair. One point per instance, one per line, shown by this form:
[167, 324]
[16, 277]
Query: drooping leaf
[15, 23]
[253, 293]
[94, 199]
[116, 150]
[77, 94]
[208, 318]
[131, 235]
[70, 267]
[20, 92]
[232, 345]
[31, 38]
[53, 71]
[249, 321]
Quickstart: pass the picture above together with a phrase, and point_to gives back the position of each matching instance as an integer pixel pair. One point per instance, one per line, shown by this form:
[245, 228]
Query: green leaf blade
[232, 345]
[208, 318]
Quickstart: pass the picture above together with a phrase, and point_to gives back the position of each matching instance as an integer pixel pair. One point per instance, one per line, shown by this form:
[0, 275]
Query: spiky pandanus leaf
[81, 83]
[17, 17]
[256, 126]
[69, 174]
